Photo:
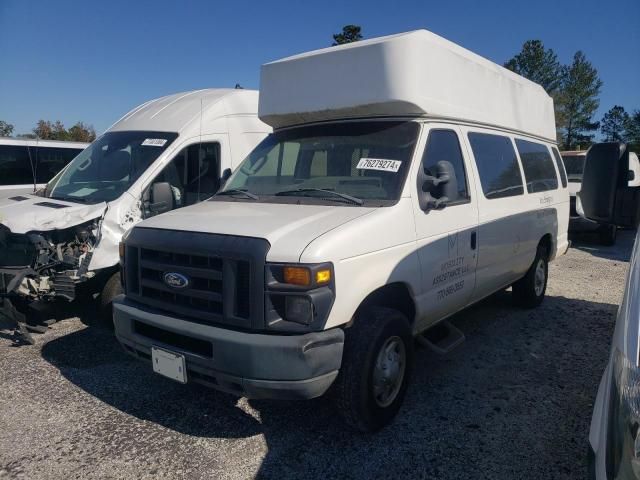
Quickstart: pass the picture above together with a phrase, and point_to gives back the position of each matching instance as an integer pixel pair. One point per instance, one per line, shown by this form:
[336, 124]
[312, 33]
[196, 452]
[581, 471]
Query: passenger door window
[15, 165]
[443, 145]
[539, 171]
[193, 175]
[497, 165]
[51, 160]
[560, 165]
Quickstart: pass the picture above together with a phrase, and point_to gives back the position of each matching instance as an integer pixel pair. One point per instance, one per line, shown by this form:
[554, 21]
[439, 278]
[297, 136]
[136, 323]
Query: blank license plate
[169, 364]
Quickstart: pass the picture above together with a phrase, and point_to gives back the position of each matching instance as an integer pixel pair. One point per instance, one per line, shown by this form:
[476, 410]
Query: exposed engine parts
[40, 265]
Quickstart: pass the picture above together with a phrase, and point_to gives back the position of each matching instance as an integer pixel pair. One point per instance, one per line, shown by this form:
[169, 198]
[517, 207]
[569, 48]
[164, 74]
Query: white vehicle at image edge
[390, 195]
[609, 196]
[27, 165]
[167, 153]
[574, 165]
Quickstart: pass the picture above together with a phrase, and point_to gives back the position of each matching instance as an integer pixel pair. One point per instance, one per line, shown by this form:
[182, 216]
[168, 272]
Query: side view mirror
[436, 191]
[605, 194]
[161, 198]
[226, 173]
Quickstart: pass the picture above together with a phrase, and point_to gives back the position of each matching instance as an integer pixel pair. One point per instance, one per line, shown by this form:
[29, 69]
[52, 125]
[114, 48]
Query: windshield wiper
[298, 191]
[238, 191]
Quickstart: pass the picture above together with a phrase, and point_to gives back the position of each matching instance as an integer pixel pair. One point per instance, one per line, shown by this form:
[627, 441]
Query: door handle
[473, 240]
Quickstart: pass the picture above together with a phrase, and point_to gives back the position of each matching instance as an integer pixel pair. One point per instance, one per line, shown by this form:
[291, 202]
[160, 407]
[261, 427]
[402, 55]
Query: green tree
[81, 132]
[47, 130]
[6, 129]
[613, 124]
[577, 101]
[632, 130]
[538, 64]
[350, 33]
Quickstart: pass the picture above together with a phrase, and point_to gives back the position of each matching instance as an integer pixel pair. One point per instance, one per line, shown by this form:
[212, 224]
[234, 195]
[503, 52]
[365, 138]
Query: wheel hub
[389, 370]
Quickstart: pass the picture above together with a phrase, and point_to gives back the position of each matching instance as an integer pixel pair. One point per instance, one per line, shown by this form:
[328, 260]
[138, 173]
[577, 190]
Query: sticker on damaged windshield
[154, 142]
[379, 164]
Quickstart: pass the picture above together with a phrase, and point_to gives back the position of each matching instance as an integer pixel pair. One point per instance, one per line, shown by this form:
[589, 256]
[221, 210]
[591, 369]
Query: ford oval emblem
[176, 280]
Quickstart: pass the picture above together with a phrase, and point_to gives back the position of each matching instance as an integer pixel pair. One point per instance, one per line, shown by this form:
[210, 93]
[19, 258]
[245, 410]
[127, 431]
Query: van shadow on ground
[513, 401]
[589, 242]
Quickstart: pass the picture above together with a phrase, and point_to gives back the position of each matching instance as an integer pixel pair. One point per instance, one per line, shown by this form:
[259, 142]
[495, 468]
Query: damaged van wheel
[528, 292]
[112, 288]
[376, 365]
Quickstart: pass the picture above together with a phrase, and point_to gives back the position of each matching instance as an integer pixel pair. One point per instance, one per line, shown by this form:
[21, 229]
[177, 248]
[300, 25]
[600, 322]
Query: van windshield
[109, 166]
[574, 165]
[362, 162]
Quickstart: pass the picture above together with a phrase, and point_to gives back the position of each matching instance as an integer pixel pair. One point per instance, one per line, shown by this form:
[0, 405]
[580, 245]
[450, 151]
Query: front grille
[222, 275]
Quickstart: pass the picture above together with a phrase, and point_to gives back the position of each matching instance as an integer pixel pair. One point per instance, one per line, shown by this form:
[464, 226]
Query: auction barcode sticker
[379, 164]
[155, 142]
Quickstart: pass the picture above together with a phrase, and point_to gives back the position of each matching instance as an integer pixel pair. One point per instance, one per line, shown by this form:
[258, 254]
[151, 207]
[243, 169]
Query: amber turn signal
[297, 276]
[323, 276]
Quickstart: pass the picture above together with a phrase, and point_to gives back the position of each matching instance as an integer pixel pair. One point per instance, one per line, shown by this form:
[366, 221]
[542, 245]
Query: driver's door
[447, 238]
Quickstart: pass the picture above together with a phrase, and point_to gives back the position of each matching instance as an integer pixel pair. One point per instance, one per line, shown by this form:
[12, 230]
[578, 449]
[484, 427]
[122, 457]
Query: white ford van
[167, 153]
[406, 179]
[27, 165]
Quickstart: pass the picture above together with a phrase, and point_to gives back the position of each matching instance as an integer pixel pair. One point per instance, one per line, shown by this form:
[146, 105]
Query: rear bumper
[246, 364]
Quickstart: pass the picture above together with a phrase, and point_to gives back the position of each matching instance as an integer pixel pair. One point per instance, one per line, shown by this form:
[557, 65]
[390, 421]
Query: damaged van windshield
[109, 166]
[349, 163]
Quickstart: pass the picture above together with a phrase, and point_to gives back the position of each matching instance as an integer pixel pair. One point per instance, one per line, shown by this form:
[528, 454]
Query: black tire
[353, 392]
[526, 291]
[608, 234]
[112, 288]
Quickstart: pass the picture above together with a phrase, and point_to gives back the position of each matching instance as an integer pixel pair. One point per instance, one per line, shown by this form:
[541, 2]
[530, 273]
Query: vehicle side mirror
[161, 198]
[605, 194]
[436, 191]
[225, 176]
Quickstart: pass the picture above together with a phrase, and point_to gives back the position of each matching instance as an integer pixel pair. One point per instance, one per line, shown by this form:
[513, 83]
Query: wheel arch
[395, 295]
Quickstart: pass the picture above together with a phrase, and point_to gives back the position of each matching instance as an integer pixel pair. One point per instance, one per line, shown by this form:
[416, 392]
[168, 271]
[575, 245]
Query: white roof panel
[415, 73]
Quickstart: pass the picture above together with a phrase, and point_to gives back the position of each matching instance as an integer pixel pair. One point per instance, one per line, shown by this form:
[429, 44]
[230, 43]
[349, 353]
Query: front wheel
[111, 289]
[528, 292]
[376, 365]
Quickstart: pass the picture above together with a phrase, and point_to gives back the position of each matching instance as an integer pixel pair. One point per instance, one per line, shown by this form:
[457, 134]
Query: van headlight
[623, 435]
[299, 296]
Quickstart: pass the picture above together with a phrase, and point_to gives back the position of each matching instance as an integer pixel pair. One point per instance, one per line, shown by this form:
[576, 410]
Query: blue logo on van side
[176, 280]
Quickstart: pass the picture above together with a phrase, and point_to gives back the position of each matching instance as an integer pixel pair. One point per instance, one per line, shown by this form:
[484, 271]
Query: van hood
[28, 213]
[289, 228]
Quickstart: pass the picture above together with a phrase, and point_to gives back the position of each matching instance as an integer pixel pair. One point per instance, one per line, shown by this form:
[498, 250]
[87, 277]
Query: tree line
[575, 89]
[47, 130]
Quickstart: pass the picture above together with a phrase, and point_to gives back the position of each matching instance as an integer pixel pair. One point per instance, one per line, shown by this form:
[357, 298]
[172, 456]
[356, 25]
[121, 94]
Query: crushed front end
[46, 265]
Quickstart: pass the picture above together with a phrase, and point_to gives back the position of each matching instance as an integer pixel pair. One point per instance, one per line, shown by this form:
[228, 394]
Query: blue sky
[95, 60]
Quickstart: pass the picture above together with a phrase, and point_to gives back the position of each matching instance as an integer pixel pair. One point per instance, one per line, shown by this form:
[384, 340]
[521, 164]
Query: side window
[15, 165]
[560, 165]
[497, 165]
[444, 146]
[539, 171]
[51, 160]
[193, 175]
[318, 166]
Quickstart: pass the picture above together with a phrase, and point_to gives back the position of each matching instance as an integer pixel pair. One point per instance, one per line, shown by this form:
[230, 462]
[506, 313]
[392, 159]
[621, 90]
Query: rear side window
[443, 145]
[560, 165]
[539, 171]
[51, 160]
[497, 165]
[15, 165]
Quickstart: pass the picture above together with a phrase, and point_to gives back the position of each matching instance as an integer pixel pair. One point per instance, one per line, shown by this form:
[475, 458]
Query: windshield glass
[367, 161]
[574, 165]
[109, 166]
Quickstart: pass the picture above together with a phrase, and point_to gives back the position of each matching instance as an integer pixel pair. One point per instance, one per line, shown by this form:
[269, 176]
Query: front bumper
[254, 365]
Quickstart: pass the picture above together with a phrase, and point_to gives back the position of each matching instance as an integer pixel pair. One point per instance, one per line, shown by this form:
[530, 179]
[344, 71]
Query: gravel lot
[513, 401]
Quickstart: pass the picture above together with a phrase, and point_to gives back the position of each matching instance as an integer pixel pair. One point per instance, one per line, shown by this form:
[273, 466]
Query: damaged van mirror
[606, 195]
[161, 198]
[439, 189]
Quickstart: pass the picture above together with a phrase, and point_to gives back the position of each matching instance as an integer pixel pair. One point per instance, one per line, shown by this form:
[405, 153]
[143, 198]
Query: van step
[441, 338]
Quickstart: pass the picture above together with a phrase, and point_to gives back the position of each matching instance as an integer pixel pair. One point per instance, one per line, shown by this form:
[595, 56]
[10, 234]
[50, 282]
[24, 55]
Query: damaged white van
[167, 153]
[406, 179]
